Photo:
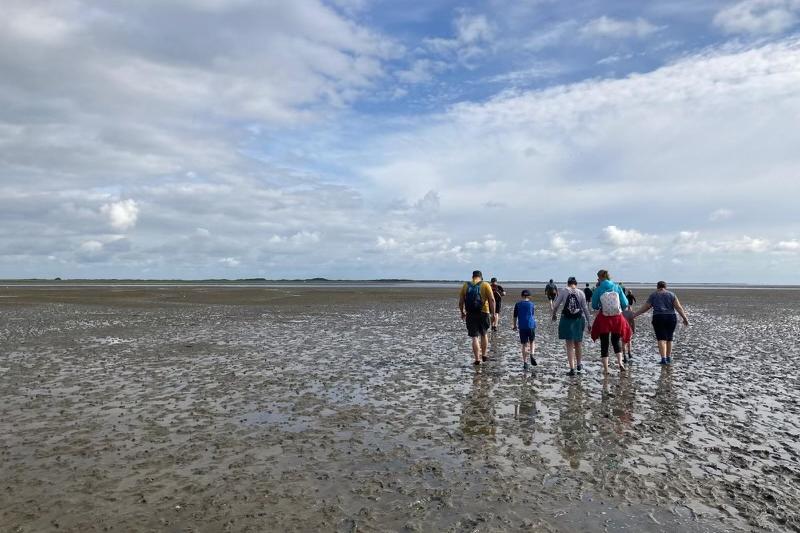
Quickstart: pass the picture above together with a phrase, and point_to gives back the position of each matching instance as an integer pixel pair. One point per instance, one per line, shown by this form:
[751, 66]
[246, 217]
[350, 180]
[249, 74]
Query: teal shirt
[605, 286]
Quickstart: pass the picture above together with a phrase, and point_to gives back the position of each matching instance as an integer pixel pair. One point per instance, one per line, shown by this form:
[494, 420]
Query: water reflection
[575, 430]
[478, 417]
[667, 412]
[525, 409]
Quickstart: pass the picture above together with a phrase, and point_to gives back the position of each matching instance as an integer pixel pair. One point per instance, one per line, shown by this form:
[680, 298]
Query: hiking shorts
[664, 326]
[551, 297]
[497, 303]
[527, 335]
[478, 324]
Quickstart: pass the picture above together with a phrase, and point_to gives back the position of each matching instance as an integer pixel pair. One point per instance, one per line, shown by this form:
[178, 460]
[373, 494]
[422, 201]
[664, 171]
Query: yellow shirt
[486, 294]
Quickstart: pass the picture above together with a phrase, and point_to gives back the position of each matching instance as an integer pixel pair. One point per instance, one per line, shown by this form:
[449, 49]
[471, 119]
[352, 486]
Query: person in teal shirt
[606, 285]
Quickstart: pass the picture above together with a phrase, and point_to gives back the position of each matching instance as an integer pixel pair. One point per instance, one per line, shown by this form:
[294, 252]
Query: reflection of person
[609, 325]
[574, 319]
[476, 303]
[664, 305]
[575, 432]
[668, 415]
[525, 321]
[498, 292]
[525, 410]
[477, 418]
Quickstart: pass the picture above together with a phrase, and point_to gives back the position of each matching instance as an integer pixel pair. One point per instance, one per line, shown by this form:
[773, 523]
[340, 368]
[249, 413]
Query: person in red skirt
[610, 325]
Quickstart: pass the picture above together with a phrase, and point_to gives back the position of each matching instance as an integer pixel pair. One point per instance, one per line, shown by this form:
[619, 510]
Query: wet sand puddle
[361, 411]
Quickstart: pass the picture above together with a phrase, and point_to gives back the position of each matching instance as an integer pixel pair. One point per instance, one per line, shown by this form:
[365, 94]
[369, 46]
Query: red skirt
[611, 324]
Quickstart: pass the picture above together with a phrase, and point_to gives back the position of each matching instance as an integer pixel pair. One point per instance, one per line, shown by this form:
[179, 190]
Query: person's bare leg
[605, 364]
[533, 349]
[525, 353]
[476, 349]
[571, 354]
[662, 349]
[578, 353]
[619, 361]
[484, 344]
[668, 348]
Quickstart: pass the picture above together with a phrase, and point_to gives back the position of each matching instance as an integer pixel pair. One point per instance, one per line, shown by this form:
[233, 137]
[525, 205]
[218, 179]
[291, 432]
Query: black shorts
[527, 335]
[497, 305]
[551, 297]
[664, 326]
[478, 324]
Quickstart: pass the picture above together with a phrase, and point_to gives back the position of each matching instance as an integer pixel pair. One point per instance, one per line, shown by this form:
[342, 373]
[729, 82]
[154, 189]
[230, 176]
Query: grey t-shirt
[662, 302]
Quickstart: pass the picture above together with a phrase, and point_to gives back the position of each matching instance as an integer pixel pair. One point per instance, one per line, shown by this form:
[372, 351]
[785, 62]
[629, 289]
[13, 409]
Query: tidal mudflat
[357, 409]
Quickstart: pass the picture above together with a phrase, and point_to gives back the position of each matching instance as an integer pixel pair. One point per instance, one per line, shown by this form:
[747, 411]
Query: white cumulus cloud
[122, 215]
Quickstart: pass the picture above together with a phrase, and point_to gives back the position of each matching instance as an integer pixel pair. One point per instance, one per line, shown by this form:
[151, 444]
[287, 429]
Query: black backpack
[572, 307]
[472, 300]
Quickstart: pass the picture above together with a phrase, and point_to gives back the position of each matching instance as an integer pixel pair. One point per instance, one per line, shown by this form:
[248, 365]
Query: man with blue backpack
[476, 303]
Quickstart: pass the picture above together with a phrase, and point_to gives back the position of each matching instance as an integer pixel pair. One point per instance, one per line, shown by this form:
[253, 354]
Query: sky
[360, 139]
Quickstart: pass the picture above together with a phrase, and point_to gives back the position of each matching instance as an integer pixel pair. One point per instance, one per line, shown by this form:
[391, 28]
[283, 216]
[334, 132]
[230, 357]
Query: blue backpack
[473, 300]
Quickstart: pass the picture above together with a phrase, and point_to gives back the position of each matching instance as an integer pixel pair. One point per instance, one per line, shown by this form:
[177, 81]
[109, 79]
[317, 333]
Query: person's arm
[461, 297]
[623, 300]
[645, 308]
[585, 309]
[679, 309]
[516, 314]
[557, 303]
[596, 300]
[491, 302]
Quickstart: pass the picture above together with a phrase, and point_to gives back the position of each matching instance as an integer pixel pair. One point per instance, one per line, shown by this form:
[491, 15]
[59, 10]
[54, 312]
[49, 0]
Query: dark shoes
[533, 361]
[571, 372]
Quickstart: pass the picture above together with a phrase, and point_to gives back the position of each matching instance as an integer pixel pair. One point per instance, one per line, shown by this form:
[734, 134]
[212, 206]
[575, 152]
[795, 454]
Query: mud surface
[221, 409]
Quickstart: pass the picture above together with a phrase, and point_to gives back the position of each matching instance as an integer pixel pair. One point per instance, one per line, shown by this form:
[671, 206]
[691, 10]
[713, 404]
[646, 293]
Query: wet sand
[297, 409]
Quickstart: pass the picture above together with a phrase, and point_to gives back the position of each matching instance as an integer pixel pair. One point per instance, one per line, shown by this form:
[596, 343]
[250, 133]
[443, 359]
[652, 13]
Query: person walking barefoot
[574, 320]
[476, 304]
[664, 305]
[609, 325]
[525, 321]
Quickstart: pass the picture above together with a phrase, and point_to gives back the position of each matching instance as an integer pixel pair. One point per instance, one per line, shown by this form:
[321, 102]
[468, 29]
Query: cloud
[421, 71]
[607, 27]
[624, 237]
[230, 262]
[759, 16]
[122, 215]
[720, 214]
[473, 35]
[471, 28]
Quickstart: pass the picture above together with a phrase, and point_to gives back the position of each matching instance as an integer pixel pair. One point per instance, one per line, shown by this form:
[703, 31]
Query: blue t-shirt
[524, 313]
[662, 302]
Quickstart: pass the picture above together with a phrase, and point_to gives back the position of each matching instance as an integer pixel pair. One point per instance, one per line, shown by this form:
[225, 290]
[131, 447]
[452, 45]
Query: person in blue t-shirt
[525, 322]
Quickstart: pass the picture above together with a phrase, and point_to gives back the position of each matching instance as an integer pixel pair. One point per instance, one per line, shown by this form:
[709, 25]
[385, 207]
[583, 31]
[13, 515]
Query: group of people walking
[613, 322]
